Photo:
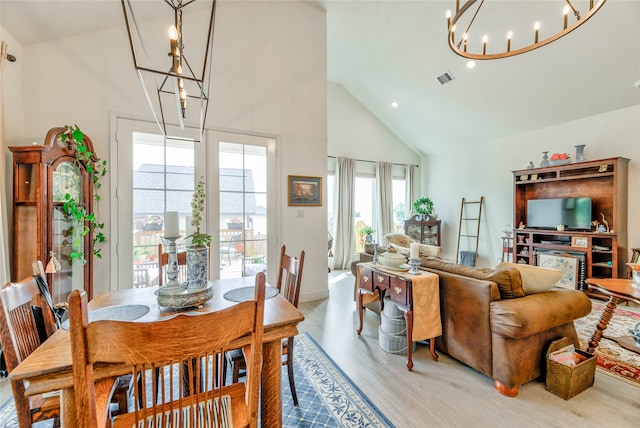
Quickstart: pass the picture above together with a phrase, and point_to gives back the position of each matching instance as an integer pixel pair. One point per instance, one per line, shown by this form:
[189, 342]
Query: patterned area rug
[326, 396]
[612, 357]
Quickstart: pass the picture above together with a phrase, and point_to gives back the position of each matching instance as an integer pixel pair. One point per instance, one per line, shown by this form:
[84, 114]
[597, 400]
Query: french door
[155, 175]
[244, 179]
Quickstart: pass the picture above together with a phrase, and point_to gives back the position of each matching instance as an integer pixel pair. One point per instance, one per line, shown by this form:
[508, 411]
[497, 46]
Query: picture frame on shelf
[579, 241]
[304, 191]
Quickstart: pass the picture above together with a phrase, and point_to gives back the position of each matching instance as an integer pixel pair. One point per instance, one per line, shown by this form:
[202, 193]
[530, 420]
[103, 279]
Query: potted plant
[235, 223]
[198, 251]
[368, 233]
[424, 208]
[82, 221]
[150, 222]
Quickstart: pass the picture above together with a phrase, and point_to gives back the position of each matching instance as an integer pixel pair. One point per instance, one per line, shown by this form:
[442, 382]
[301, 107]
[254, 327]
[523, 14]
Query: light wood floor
[447, 393]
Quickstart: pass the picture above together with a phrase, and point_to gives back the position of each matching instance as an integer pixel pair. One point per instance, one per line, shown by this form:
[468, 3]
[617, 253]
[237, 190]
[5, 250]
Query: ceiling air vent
[445, 78]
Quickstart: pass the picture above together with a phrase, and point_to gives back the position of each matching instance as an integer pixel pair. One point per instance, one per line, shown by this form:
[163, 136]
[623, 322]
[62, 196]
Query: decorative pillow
[402, 243]
[508, 279]
[399, 239]
[430, 250]
[535, 279]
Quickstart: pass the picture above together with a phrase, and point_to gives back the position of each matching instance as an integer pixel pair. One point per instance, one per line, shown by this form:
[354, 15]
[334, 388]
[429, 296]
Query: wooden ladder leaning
[467, 219]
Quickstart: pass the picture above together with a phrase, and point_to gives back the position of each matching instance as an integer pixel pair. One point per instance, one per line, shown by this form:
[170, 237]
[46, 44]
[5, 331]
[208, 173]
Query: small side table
[617, 289]
[507, 249]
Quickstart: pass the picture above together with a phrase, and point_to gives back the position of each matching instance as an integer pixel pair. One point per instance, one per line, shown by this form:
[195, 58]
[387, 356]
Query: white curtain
[344, 243]
[383, 212]
[4, 226]
[410, 191]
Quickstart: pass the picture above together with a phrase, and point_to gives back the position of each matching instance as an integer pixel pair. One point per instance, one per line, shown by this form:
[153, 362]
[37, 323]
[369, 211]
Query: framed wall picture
[567, 264]
[305, 191]
[579, 241]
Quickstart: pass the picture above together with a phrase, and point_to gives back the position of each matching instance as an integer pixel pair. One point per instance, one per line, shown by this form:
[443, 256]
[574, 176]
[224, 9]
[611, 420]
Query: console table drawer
[398, 292]
[366, 279]
[381, 280]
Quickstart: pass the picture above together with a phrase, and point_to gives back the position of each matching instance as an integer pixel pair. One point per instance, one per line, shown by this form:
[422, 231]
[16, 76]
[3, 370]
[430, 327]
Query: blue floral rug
[326, 396]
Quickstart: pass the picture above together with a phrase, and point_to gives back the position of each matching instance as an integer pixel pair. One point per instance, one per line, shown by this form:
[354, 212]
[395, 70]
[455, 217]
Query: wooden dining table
[49, 367]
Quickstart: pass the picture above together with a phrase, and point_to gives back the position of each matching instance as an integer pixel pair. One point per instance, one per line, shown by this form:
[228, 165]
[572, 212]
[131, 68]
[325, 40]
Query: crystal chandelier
[173, 80]
[460, 45]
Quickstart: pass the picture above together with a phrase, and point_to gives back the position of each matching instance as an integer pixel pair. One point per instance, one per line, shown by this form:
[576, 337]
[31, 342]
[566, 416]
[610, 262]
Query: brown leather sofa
[489, 324]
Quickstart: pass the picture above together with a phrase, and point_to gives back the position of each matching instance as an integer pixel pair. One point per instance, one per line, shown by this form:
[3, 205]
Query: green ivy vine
[84, 222]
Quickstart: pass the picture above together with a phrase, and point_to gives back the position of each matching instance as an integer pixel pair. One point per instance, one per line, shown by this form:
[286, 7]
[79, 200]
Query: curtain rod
[365, 160]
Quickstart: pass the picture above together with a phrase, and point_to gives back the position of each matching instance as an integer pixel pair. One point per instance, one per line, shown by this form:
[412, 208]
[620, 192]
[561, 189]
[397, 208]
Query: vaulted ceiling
[385, 51]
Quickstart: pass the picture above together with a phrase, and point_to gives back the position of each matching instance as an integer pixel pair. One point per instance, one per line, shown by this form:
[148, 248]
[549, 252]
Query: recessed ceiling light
[471, 64]
[394, 104]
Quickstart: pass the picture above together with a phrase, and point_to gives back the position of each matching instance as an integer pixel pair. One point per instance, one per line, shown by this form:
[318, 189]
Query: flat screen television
[574, 213]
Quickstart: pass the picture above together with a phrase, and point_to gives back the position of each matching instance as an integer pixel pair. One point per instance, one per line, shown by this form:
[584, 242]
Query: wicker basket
[391, 309]
[393, 343]
[565, 381]
[393, 325]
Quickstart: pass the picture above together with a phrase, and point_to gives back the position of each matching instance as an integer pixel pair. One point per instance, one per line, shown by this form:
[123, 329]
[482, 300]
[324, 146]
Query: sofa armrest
[526, 316]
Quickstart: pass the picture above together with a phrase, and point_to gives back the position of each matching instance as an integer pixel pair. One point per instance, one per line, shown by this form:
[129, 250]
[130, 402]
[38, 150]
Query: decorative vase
[197, 267]
[545, 159]
[368, 239]
[580, 152]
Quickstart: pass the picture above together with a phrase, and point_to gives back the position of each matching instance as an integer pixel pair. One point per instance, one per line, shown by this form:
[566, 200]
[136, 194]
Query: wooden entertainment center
[600, 255]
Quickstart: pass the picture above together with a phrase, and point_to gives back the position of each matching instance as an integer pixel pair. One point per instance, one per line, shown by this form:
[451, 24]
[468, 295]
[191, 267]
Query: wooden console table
[417, 296]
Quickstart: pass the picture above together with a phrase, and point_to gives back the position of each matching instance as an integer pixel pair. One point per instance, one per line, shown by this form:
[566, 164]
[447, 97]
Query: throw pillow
[430, 250]
[535, 279]
[508, 279]
[399, 239]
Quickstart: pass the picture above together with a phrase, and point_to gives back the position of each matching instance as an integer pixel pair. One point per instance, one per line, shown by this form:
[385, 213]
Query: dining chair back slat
[289, 280]
[177, 358]
[19, 337]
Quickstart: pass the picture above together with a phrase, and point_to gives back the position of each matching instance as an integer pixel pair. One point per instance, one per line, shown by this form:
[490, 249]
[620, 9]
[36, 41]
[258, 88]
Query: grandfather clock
[42, 176]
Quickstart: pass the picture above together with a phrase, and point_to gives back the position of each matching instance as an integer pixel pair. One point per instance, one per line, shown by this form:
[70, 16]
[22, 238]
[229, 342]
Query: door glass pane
[163, 180]
[398, 204]
[243, 209]
[363, 208]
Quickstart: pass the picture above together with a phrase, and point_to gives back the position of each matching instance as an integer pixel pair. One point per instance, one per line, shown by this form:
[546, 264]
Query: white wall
[483, 168]
[269, 77]
[354, 132]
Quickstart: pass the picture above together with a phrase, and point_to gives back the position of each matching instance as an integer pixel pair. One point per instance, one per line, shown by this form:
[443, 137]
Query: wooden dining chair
[184, 347]
[163, 261]
[21, 303]
[289, 279]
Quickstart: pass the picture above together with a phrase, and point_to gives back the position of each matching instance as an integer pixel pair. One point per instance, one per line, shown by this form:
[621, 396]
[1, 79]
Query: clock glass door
[67, 183]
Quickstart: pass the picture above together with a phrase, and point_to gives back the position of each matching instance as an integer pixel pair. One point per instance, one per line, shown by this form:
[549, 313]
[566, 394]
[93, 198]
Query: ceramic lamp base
[414, 263]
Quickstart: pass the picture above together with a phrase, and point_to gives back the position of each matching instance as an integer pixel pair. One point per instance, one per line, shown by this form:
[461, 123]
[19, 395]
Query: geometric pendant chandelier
[174, 78]
[464, 41]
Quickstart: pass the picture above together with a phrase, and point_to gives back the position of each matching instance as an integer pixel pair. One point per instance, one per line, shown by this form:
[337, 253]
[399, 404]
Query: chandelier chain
[576, 13]
[471, 22]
